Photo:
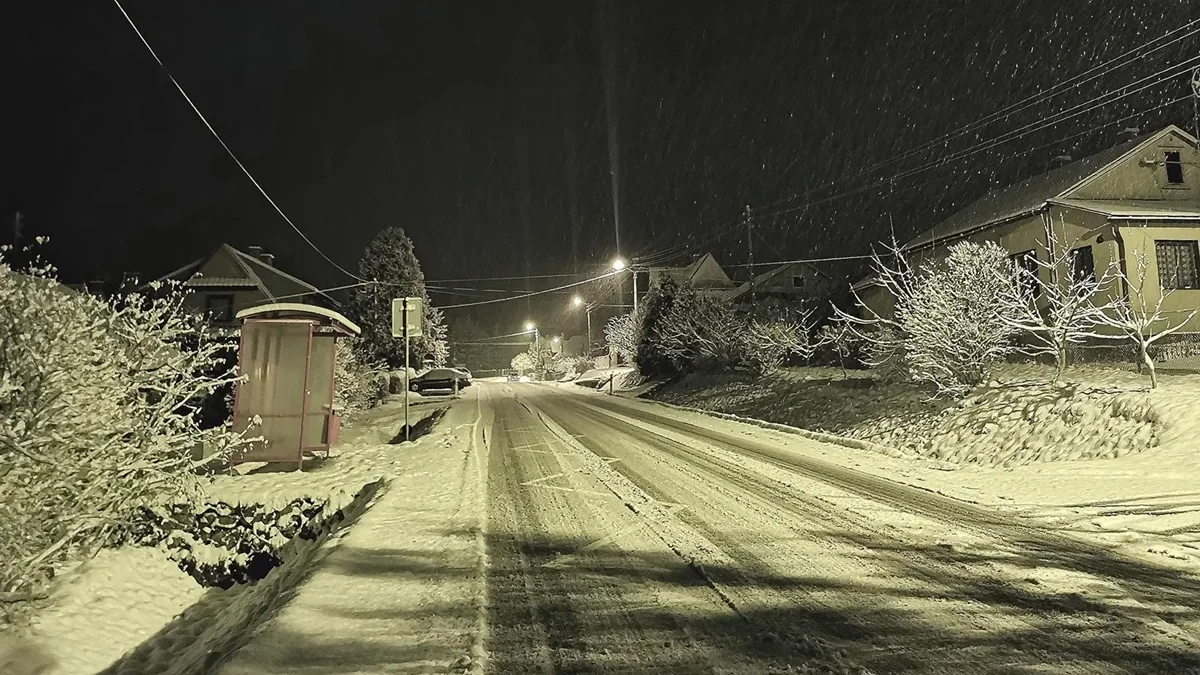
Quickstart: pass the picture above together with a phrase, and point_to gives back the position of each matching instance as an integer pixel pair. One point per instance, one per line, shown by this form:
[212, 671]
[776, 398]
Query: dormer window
[1174, 165]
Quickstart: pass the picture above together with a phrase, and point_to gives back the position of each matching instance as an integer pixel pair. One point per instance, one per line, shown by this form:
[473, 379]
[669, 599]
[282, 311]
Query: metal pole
[634, 272]
[750, 249]
[588, 310]
[404, 316]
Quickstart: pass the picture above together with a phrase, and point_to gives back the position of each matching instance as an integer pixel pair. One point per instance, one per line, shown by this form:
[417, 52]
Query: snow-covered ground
[106, 606]
[1102, 455]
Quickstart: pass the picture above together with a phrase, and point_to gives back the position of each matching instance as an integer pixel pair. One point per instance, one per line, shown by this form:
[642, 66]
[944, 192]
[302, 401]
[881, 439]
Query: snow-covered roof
[273, 282]
[1028, 196]
[293, 308]
[761, 279]
[1136, 209]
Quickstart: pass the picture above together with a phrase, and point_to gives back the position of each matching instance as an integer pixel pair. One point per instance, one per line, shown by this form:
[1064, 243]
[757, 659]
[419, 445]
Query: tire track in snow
[1145, 584]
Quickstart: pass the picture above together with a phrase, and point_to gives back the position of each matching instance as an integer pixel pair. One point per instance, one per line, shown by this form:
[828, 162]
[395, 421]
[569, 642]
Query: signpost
[406, 324]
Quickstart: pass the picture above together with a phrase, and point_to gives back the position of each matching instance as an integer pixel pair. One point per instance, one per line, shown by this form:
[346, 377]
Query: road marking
[563, 474]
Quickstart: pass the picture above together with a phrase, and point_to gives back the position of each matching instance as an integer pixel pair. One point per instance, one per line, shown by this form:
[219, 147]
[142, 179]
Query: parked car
[514, 377]
[466, 373]
[439, 378]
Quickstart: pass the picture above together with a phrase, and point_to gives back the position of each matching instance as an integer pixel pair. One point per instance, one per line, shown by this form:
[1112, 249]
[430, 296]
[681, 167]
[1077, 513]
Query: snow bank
[1019, 418]
[130, 592]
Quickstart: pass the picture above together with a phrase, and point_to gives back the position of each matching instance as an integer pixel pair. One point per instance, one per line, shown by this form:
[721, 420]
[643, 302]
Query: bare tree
[1141, 318]
[1057, 302]
[881, 337]
[770, 343]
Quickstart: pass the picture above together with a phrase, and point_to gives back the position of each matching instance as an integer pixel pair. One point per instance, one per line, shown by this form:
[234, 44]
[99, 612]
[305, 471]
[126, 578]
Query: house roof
[763, 278]
[1028, 196]
[687, 275]
[274, 283]
[1136, 209]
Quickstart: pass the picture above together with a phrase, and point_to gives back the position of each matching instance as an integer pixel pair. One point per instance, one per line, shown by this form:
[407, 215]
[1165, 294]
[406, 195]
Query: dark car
[439, 378]
[514, 377]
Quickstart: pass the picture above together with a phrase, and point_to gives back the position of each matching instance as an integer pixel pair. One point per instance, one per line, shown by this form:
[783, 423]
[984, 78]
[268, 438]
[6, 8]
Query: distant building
[704, 274]
[228, 281]
[790, 284]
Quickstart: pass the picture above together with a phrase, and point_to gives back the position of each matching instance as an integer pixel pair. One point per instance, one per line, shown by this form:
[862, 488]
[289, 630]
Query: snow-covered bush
[99, 414]
[954, 318]
[582, 364]
[958, 319]
[524, 362]
[358, 385]
[621, 334]
[770, 343]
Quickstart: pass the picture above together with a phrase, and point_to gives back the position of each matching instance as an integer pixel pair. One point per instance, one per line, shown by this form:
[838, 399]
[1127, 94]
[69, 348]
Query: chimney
[267, 258]
[254, 251]
[260, 254]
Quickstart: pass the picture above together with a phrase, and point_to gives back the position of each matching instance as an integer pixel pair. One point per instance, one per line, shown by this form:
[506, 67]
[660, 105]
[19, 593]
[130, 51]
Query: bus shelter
[287, 355]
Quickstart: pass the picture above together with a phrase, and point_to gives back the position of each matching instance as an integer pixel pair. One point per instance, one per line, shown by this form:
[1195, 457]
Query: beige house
[228, 281]
[1137, 201]
[789, 283]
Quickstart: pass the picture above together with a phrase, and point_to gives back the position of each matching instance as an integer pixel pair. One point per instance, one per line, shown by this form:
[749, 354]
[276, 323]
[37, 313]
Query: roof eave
[978, 228]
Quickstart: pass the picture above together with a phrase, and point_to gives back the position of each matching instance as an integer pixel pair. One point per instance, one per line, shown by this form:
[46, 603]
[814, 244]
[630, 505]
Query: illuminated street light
[555, 339]
[529, 326]
[577, 301]
[618, 264]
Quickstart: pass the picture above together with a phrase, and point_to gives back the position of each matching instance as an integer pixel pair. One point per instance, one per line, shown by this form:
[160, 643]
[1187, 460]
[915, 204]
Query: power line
[1014, 135]
[226, 146]
[531, 294]
[512, 278]
[1025, 103]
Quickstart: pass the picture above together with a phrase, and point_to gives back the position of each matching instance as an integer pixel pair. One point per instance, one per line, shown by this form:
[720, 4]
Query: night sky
[480, 127]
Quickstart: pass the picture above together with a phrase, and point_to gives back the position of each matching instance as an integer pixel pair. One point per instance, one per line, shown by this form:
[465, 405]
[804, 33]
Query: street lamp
[618, 264]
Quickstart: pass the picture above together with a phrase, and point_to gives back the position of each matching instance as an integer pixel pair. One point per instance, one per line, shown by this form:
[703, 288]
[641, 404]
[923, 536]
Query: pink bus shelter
[287, 353]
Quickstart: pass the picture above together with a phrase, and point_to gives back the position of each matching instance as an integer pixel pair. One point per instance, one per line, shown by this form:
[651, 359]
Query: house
[789, 284]
[228, 280]
[1137, 201]
[704, 274]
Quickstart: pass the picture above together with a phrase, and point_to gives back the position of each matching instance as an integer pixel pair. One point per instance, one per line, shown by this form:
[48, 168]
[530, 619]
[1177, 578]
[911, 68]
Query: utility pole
[750, 252]
[633, 271]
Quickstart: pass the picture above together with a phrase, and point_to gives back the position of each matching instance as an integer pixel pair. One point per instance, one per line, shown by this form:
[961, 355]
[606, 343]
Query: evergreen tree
[656, 306]
[391, 264]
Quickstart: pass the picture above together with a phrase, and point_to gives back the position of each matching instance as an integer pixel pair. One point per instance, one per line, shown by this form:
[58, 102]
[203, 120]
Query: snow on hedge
[99, 414]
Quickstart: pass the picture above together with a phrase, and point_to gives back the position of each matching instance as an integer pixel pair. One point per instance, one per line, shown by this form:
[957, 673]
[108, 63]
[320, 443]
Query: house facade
[1135, 206]
[790, 285]
[229, 280]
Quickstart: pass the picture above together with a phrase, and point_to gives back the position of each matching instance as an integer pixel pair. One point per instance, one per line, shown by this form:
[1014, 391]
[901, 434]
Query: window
[219, 307]
[1177, 264]
[1083, 264]
[1027, 266]
[1174, 167]
[798, 282]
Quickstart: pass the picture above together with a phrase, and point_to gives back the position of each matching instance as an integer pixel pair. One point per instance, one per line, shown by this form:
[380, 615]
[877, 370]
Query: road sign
[406, 311]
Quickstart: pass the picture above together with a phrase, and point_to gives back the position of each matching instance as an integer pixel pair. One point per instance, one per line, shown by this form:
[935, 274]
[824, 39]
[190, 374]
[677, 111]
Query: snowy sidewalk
[403, 591]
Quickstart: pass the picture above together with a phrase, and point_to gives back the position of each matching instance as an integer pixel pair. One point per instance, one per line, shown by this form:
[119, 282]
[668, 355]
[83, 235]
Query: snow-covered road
[628, 537]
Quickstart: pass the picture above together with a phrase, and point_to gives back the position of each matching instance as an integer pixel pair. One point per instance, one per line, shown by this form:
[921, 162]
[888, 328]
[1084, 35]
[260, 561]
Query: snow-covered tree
[358, 385]
[952, 322]
[1058, 302]
[621, 335]
[770, 343]
[881, 336]
[390, 265]
[658, 304]
[99, 415]
[1143, 319]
